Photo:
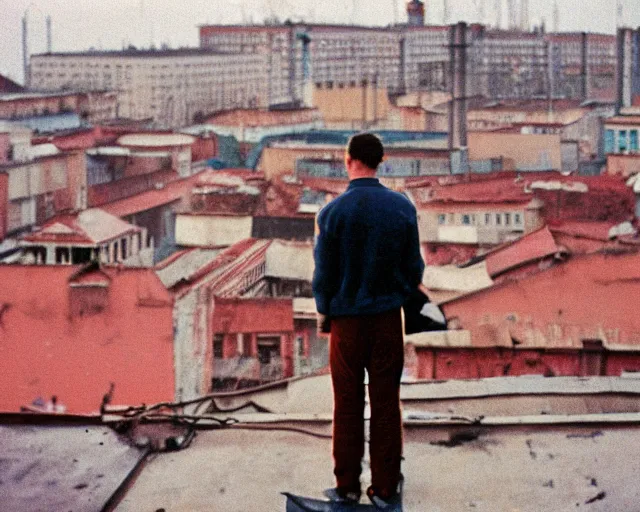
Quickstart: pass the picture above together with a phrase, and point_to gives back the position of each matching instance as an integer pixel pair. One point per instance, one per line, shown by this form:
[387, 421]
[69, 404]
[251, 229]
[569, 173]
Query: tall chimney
[458, 64]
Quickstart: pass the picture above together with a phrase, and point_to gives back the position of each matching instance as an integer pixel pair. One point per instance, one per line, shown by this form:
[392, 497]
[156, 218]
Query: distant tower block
[415, 12]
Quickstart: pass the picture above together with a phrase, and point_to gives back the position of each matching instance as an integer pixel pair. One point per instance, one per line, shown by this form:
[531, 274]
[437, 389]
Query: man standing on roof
[367, 262]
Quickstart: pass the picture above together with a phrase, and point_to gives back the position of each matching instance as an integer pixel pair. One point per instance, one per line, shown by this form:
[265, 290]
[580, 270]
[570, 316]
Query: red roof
[630, 120]
[530, 247]
[330, 185]
[229, 264]
[170, 193]
[500, 190]
[88, 227]
[508, 187]
[591, 230]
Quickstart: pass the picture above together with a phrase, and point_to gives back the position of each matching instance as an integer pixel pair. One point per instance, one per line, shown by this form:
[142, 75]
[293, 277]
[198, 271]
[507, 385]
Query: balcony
[248, 369]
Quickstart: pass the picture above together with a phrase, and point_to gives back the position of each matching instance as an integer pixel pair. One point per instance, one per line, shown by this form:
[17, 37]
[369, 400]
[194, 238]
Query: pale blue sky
[108, 24]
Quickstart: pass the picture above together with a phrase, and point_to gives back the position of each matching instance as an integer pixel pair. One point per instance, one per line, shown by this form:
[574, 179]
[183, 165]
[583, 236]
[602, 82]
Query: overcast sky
[110, 24]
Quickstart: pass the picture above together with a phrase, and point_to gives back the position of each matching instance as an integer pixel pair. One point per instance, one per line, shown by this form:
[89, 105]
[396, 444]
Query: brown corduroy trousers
[374, 343]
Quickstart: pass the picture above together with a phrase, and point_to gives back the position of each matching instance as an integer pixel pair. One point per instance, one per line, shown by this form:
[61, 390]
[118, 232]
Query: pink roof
[531, 247]
[508, 187]
[172, 192]
[630, 120]
[228, 265]
[255, 117]
[89, 227]
[591, 230]
[491, 191]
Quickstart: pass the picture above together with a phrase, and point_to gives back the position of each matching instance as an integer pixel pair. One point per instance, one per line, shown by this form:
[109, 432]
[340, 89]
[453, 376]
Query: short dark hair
[367, 148]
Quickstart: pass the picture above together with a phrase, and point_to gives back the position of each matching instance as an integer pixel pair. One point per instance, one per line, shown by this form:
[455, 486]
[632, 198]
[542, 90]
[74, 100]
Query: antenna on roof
[445, 12]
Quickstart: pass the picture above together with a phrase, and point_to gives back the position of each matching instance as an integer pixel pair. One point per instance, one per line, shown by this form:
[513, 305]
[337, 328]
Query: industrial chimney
[415, 13]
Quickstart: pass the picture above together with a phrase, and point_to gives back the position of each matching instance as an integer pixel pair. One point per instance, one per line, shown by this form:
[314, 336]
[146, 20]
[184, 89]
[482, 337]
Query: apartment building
[172, 87]
[582, 65]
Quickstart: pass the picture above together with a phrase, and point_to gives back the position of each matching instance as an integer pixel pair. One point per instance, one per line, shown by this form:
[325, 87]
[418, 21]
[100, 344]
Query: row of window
[487, 219]
[621, 141]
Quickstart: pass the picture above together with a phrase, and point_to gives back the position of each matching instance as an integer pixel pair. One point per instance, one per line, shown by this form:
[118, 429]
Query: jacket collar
[364, 182]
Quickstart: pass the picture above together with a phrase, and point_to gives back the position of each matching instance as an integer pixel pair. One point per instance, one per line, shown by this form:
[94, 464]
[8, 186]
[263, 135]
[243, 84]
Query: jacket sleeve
[414, 263]
[326, 273]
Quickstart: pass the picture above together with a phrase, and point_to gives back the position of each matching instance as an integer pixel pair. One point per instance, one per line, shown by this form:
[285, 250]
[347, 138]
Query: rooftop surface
[541, 461]
[245, 471]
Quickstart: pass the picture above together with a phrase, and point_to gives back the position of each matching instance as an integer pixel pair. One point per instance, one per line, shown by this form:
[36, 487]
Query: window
[633, 140]
[507, 219]
[442, 219]
[218, 340]
[244, 344]
[517, 219]
[498, 219]
[300, 346]
[487, 218]
[466, 220]
[622, 141]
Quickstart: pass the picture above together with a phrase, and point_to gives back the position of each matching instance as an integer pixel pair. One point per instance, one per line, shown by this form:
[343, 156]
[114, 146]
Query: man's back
[370, 235]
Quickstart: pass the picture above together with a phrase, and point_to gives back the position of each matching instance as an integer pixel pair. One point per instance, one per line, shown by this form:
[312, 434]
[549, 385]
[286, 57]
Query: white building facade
[172, 87]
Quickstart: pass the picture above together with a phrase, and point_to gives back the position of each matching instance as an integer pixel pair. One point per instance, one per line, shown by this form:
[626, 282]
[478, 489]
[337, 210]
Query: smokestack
[25, 51]
[584, 64]
[49, 37]
[628, 72]
[458, 109]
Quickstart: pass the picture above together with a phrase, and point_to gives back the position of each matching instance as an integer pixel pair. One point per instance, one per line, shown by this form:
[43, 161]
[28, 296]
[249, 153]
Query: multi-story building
[339, 55]
[582, 65]
[501, 64]
[94, 106]
[253, 66]
[506, 64]
[629, 70]
[172, 87]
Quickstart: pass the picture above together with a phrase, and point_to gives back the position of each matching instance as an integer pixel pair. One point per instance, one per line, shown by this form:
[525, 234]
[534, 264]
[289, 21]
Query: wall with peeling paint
[49, 345]
[592, 297]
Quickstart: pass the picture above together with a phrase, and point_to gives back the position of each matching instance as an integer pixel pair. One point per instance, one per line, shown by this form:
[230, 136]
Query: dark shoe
[337, 495]
[383, 502]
